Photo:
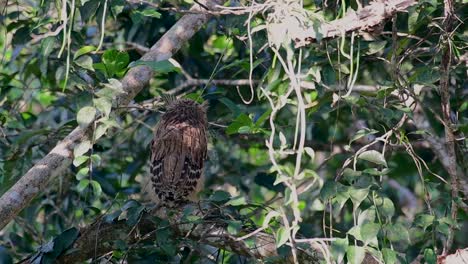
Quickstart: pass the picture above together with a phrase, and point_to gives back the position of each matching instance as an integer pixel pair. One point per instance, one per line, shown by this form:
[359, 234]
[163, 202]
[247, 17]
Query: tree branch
[362, 19]
[98, 238]
[56, 161]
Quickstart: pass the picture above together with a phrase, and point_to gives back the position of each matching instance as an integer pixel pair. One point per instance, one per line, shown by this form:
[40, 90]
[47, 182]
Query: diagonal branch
[59, 158]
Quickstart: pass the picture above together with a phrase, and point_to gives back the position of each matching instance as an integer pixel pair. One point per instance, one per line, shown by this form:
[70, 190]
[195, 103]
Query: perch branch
[59, 158]
[98, 238]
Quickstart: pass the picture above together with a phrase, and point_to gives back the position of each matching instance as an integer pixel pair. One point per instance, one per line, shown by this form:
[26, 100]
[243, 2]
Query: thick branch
[363, 19]
[35, 180]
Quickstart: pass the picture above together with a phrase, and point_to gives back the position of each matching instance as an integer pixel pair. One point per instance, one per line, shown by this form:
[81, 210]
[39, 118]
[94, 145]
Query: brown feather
[178, 152]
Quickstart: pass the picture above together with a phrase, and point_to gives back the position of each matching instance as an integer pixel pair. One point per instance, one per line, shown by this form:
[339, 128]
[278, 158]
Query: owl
[178, 153]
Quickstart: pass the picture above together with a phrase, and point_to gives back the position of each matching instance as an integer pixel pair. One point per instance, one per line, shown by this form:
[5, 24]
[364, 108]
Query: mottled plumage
[178, 152]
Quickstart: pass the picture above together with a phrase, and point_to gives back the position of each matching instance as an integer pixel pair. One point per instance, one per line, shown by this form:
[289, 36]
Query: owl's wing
[166, 149]
[195, 149]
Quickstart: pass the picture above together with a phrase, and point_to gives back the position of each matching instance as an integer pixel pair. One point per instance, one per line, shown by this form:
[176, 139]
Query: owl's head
[186, 110]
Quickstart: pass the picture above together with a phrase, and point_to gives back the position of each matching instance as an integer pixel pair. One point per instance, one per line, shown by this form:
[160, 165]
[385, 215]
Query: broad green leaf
[96, 159]
[355, 231]
[355, 254]
[83, 50]
[96, 188]
[389, 256]
[85, 115]
[376, 46]
[362, 133]
[367, 216]
[231, 105]
[82, 173]
[85, 62]
[220, 196]
[77, 161]
[385, 207]
[357, 195]
[429, 256]
[397, 232]
[150, 12]
[424, 221]
[111, 89]
[115, 62]
[103, 104]
[310, 151]
[338, 249]
[373, 156]
[369, 233]
[269, 217]
[244, 130]
[100, 131]
[82, 185]
[82, 148]
[234, 227]
[282, 236]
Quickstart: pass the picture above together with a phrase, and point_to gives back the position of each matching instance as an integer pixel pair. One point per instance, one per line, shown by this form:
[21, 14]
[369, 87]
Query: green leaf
[369, 233]
[355, 254]
[373, 156]
[385, 207]
[111, 89]
[424, 221]
[263, 118]
[83, 50]
[244, 130]
[86, 115]
[338, 249]
[96, 159]
[163, 66]
[355, 231]
[133, 214]
[328, 190]
[220, 196]
[234, 227]
[362, 133]
[310, 152]
[82, 173]
[429, 256]
[282, 236]
[231, 105]
[100, 131]
[82, 185]
[271, 215]
[85, 62]
[389, 256]
[96, 187]
[115, 62]
[77, 161]
[63, 241]
[367, 216]
[242, 121]
[103, 104]
[376, 46]
[82, 148]
[357, 195]
[150, 12]
[397, 232]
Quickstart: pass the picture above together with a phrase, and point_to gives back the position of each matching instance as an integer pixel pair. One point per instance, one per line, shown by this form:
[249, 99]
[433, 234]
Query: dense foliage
[330, 146]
